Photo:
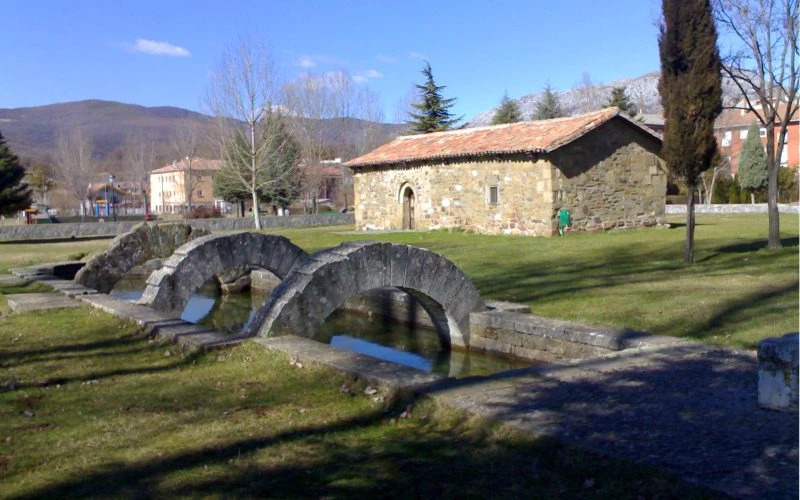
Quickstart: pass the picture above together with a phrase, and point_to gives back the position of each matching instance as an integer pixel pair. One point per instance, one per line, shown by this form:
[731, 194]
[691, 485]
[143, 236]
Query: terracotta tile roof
[541, 136]
[197, 164]
[737, 118]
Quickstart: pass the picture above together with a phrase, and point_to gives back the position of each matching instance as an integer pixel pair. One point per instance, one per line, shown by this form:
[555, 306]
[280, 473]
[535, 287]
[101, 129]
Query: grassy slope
[108, 412]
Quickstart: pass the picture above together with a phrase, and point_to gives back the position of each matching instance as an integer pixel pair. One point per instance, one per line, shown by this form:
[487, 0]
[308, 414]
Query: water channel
[368, 334]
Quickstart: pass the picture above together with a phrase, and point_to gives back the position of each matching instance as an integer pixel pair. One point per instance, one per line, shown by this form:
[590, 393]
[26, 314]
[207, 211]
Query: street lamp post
[114, 205]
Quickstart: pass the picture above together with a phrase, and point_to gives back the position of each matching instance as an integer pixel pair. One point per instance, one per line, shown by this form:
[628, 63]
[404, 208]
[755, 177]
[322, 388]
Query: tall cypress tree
[434, 115]
[14, 192]
[691, 93]
[507, 112]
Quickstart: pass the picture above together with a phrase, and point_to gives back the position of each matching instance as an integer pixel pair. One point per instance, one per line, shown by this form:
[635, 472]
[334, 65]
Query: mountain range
[642, 91]
[33, 132]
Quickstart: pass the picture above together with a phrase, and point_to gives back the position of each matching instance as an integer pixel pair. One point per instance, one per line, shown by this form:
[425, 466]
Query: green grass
[28, 254]
[90, 406]
[735, 294]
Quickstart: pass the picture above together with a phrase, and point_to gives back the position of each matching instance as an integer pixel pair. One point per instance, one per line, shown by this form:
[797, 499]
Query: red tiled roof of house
[197, 164]
[739, 118]
[541, 136]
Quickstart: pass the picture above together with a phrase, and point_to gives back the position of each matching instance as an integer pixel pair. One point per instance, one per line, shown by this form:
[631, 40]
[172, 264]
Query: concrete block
[778, 373]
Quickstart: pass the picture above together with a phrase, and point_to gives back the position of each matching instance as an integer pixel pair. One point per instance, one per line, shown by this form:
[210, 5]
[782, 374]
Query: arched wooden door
[408, 209]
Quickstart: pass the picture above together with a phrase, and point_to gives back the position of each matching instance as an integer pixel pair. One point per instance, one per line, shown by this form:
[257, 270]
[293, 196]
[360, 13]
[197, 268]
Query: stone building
[512, 179]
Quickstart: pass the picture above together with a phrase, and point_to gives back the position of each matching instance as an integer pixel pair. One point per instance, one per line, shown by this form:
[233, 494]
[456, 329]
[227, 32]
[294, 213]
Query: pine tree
[434, 109]
[691, 93]
[548, 106]
[14, 193]
[621, 100]
[507, 112]
[752, 173]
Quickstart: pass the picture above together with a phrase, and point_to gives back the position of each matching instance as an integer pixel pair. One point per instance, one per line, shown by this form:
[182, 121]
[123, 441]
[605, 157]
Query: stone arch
[169, 288]
[319, 286]
[142, 243]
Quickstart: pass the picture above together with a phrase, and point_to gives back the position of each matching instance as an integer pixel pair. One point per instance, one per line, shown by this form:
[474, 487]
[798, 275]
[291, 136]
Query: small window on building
[743, 134]
[762, 132]
[726, 139]
[494, 196]
[200, 192]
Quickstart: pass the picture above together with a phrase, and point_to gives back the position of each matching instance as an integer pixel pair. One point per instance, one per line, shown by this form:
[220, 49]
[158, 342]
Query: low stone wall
[88, 229]
[741, 208]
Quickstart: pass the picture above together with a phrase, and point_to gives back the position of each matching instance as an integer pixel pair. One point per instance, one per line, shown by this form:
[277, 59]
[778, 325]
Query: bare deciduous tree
[765, 65]
[315, 102]
[709, 178]
[139, 154]
[244, 99]
[75, 167]
[186, 145]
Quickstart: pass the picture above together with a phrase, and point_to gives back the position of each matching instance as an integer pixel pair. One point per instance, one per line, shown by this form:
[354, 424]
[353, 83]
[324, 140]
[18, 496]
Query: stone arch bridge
[314, 286]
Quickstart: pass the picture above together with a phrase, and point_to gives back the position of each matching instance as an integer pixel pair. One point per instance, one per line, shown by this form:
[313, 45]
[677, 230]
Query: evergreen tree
[508, 112]
[14, 192]
[273, 178]
[621, 100]
[434, 115]
[752, 172]
[548, 106]
[691, 93]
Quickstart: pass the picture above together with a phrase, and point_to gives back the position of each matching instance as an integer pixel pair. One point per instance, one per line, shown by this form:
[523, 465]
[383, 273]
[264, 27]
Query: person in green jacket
[563, 220]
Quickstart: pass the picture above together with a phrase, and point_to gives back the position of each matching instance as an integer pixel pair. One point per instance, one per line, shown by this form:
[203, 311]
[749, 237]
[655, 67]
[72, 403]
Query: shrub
[203, 212]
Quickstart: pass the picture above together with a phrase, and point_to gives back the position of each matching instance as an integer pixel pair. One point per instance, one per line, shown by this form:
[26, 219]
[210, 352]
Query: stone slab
[500, 305]
[383, 373]
[11, 280]
[22, 302]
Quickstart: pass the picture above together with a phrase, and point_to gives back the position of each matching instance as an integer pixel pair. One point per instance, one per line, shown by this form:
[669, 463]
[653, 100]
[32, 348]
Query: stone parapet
[778, 373]
[536, 338]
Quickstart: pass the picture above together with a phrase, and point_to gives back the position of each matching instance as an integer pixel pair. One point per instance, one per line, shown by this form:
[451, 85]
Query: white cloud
[306, 62]
[365, 76]
[156, 48]
[386, 59]
[416, 55]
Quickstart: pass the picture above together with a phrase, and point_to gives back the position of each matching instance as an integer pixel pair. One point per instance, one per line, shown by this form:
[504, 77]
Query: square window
[743, 134]
[762, 132]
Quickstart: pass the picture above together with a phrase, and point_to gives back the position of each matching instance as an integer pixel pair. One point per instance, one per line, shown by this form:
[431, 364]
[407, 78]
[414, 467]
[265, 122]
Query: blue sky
[157, 53]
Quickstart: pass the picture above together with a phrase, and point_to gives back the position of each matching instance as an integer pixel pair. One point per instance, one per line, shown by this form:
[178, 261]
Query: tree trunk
[688, 254]
[256, 215]
[772, 191]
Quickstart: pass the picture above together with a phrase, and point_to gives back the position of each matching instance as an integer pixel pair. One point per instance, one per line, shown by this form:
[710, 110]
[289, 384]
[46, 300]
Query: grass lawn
[89, 406]
[735, 294]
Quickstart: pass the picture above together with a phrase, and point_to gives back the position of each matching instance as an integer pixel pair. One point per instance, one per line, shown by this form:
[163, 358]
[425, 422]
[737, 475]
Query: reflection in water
[372, 335]
[407, 345]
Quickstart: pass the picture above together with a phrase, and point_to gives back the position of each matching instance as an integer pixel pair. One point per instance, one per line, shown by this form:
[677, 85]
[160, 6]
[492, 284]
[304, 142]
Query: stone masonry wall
[610, 178]
[455, 194]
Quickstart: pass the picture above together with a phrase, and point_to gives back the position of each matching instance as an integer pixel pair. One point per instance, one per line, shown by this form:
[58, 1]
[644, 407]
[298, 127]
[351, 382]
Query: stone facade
[611, 177]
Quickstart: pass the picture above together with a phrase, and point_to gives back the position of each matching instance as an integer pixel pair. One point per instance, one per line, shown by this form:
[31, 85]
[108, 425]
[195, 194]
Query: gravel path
[689, 407]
